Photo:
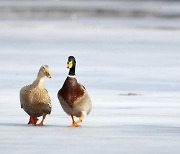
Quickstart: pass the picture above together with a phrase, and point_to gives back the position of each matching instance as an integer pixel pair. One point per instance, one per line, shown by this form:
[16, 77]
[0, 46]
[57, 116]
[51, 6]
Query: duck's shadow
[11, 124]
[28, 125]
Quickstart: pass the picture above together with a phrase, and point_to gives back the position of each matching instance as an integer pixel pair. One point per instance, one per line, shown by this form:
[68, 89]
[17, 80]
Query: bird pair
[73, 96]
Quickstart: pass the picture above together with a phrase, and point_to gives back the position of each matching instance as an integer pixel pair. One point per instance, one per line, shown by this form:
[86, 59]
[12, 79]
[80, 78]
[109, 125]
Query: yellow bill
[70, 64]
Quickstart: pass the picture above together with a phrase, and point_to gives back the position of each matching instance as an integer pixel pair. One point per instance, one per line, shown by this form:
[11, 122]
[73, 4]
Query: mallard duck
[34, 98]
[73, 96]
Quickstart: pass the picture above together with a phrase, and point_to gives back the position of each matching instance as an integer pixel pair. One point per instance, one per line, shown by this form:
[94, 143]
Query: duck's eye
[43, 68]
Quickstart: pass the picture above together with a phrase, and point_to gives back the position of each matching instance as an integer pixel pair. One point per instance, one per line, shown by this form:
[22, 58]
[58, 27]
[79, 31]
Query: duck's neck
[39, 82]
[72, 72]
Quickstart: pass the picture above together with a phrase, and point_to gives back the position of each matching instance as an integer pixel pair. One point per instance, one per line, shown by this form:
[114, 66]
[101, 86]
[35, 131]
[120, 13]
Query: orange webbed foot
[74, 124]
[80, 119]
[41, 123]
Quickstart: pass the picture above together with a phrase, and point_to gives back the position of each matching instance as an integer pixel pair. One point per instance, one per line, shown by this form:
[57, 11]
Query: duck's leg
[32, 120]
[74, 124]
[35, 120]
[80, 119]
[41, 123]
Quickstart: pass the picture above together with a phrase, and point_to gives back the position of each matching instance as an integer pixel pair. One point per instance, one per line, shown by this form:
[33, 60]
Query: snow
[114, 57]
[146, 123]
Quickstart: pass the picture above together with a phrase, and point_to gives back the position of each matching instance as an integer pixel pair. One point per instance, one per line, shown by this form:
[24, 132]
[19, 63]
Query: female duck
[73, 97]
[34, 98]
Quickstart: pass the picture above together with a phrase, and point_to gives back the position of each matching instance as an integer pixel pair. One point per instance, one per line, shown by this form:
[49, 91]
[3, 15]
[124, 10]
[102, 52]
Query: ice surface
[114, 58]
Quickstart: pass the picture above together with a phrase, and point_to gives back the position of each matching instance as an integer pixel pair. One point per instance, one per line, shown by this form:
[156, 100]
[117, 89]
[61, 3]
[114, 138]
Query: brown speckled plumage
[34, 98]
[35, 101]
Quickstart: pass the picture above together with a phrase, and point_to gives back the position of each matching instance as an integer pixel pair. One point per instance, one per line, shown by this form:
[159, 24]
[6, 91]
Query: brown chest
[71, 91]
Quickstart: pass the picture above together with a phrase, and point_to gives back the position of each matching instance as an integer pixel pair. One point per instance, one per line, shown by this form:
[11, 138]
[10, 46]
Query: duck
[34, 98]
[73, 96]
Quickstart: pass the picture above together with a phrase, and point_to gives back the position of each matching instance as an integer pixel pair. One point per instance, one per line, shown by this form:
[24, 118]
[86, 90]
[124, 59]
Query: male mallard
[73, 97]
[34, 98]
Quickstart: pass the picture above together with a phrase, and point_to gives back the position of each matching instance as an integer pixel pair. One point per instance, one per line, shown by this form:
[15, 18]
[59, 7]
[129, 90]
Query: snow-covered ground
[114, 57]
[111, 62]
